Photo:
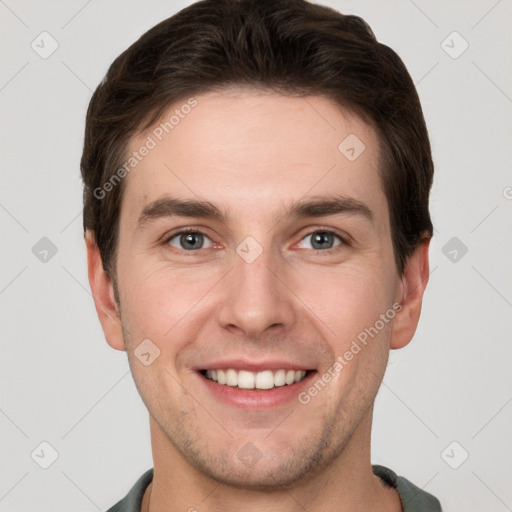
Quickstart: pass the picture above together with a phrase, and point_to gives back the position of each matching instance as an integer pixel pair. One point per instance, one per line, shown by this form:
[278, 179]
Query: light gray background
[61, 382]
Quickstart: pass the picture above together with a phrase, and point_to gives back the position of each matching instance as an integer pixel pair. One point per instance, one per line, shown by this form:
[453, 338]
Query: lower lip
[257, 398]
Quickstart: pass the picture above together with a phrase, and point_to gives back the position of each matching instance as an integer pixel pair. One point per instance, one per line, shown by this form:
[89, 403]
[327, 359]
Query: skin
[252, 154]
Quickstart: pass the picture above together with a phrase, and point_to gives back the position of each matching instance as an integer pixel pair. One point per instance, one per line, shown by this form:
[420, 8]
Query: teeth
[231, 378]
[221, 376]
[264, 380]
[261, 380]
[280, 378]
[245, 380]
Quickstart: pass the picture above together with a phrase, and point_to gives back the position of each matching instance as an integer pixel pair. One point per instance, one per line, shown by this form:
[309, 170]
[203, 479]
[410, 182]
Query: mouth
[255, 389]
[258, 381]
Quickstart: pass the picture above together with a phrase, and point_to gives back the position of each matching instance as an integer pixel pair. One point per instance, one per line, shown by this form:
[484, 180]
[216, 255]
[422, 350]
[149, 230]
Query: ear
[103, 295]
[412, 287]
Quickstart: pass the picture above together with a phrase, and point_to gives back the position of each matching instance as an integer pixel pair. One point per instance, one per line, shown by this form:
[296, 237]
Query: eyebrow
[172, 207]
[330, 205]
[168, 207]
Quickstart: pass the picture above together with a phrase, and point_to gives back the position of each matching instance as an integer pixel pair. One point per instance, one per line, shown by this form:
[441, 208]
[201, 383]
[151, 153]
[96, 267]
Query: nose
[256, 298]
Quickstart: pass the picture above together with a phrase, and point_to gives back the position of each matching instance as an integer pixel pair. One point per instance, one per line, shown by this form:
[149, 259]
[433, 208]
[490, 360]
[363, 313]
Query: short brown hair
[286, 46]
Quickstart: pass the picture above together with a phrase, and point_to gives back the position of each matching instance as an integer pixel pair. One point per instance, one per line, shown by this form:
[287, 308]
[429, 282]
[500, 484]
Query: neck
[345, 484]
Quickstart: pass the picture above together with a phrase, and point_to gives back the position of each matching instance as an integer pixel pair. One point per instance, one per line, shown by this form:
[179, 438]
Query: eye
[189, 240]
[321, 240]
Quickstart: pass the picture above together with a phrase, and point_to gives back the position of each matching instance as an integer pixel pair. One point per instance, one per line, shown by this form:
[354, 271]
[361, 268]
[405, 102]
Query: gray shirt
[413, 498]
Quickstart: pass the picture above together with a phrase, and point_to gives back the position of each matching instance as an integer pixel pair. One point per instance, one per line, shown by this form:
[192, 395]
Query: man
[256, 215]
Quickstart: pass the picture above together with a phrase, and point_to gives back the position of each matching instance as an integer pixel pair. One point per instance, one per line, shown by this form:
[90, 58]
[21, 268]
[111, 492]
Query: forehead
[254, 151]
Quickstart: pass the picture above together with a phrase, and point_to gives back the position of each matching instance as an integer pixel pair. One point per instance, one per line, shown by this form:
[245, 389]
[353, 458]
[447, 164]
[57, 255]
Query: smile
[264, 380]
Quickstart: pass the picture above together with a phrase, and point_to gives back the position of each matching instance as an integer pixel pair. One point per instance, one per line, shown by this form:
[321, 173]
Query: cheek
[159, 301]
[345, 300]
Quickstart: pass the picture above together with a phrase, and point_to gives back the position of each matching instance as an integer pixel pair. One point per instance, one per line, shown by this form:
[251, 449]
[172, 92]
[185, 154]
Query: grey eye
[321, 240]
[190, 241]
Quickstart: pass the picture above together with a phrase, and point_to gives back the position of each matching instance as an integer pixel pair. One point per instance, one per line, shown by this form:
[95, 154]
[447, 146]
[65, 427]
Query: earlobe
[103, 294]
[413, 284]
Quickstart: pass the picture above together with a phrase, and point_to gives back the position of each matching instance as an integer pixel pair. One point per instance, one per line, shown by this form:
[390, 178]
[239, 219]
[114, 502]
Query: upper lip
[253, 366]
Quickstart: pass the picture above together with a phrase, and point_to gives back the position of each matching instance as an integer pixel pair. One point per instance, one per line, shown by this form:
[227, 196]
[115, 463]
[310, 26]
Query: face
[253, 251]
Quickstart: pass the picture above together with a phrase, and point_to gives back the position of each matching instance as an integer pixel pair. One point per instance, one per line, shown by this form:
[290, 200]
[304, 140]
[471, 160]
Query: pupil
[191, 240]
[322, 240]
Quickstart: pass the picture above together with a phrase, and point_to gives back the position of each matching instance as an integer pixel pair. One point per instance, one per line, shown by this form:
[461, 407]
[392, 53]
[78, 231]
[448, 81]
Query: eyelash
[343, 240]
